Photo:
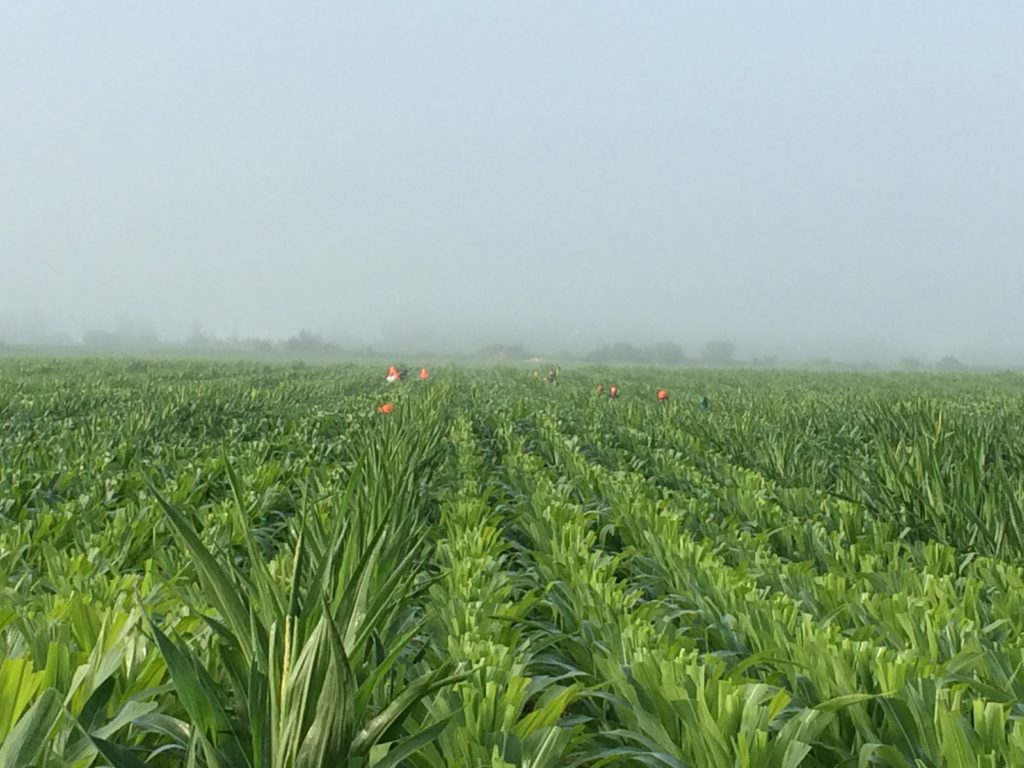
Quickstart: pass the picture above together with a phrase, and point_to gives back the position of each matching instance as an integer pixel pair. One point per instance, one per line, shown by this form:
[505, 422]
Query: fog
[803, 179]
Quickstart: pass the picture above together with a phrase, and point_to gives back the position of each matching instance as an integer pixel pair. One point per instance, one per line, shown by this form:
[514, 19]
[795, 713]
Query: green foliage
[218, 565]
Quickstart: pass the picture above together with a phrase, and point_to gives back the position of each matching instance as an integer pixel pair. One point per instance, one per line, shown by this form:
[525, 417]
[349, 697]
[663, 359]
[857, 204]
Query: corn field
[228, 565]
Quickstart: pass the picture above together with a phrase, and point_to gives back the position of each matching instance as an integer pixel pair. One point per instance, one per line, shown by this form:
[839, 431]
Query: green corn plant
[309, 664]
[821, 569]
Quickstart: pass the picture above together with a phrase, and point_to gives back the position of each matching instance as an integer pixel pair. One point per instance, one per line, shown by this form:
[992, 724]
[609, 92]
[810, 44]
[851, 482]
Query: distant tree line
[719, 354]
[128, 338]
[304, 343]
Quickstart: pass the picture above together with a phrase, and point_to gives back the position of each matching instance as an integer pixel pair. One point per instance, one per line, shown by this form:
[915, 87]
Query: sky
[803, 178]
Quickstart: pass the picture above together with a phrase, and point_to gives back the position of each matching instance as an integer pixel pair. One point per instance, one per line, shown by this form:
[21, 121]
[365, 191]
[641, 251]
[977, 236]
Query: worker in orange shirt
[393, 375]
[424, 374]
[662, 396]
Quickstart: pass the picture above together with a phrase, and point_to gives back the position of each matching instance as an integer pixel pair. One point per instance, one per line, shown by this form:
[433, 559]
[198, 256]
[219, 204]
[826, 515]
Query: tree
[196, 338]
[950, 364]
[307, 341]
[665, 353]
[620, 352]
[719, 353]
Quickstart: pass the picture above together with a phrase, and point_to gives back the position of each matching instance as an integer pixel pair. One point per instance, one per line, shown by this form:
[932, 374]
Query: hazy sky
[794, 176]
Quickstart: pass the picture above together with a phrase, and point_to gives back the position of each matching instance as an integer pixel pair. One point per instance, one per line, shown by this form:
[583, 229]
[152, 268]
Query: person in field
[600, 389]
[705, 404]
[662, 396]
[386, 408]
[393, 375]
[552, 377]
[613, 392]
[424, 374]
